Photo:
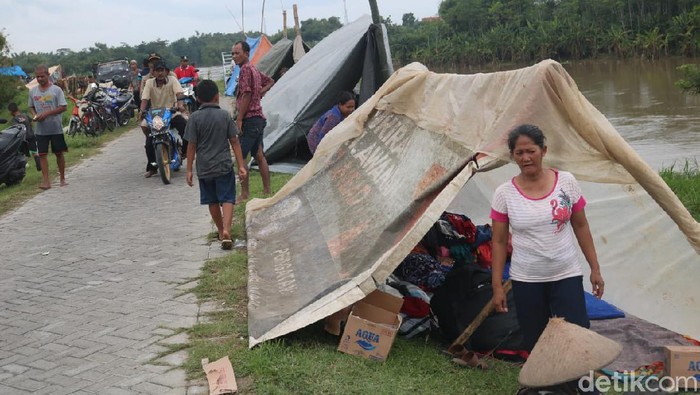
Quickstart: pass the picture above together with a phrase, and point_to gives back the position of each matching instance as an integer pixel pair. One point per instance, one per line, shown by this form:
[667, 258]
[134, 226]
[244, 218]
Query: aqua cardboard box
[372, 326]
[682, 364]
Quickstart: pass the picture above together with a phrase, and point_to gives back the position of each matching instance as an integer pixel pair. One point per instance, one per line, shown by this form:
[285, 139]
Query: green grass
[684, 180]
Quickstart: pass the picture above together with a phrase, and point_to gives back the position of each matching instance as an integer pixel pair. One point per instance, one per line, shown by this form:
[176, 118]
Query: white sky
[47, 25]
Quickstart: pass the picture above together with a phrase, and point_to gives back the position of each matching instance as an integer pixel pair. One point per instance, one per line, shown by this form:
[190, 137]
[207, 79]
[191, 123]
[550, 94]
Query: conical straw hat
[566, 352]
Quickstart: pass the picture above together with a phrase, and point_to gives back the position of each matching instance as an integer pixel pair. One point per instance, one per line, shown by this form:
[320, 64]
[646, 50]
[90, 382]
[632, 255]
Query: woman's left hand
[597, 284]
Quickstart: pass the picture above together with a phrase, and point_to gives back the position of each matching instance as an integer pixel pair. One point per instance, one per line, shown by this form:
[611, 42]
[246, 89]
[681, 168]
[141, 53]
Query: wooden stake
[297, 30]
[478, 320]
[284, 23]
[375, 12]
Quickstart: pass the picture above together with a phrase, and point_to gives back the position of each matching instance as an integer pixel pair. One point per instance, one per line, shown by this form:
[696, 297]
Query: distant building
[435, 18]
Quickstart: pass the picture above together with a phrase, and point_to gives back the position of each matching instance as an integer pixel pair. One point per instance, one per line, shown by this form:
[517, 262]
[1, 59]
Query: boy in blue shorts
[207, 132]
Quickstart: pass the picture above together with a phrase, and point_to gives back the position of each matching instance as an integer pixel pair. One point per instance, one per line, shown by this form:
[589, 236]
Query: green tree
[408, 20]
[8, 84]
[314, 30]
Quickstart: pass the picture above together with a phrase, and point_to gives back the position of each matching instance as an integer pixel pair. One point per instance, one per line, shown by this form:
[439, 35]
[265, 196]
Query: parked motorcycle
[101, 103]
[166, 142]
[122, 101]
[13, 162]
[190, 99]
[86, 118]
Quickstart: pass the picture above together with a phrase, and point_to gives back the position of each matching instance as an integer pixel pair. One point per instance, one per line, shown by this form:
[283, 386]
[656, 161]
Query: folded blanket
[599, 309]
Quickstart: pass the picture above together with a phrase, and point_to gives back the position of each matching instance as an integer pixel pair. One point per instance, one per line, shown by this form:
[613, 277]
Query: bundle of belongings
[446, 281]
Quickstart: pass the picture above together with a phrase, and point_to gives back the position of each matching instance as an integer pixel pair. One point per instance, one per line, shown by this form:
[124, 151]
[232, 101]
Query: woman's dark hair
[531, 131]
[344, 97]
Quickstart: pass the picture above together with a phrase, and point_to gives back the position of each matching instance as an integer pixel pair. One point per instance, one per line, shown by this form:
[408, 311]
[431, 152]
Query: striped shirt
[544, 247]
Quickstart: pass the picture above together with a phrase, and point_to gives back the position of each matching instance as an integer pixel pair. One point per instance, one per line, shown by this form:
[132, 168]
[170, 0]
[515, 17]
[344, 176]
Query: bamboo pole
[284, 23]
[381, 48]
[375, 12]
[262, 18]
[243, 20]
[297, 30]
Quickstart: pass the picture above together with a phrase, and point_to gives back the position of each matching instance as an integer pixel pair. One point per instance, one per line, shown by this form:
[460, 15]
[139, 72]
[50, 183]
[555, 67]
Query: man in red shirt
[185, 70]
[252, 85]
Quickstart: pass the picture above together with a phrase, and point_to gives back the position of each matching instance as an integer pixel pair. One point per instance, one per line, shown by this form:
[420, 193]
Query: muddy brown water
[641, 101]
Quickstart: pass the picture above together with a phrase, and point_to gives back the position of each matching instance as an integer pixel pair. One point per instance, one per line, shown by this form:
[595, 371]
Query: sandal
[463, 357]
[226, 244]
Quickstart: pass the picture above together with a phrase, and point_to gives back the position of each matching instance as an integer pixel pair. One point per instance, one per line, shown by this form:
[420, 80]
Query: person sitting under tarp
[344, 106]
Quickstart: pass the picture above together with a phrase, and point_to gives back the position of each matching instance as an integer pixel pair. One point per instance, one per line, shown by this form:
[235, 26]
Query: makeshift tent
[258, 48]
[283, 54]
[15, 71]
[55, 74]
[382, 177]
[311, 87]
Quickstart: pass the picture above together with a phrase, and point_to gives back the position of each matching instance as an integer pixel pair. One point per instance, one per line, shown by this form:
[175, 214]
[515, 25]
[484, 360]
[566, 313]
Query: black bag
[467, 289]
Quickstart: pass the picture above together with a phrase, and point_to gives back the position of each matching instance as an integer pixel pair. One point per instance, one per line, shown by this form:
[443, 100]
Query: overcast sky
[47, 25]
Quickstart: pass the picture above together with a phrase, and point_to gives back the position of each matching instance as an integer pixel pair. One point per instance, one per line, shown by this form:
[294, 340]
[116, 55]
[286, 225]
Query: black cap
[183, 57]
[153, 55]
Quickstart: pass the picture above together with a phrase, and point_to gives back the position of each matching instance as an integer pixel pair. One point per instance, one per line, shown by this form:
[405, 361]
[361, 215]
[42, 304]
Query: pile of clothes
[446, 281]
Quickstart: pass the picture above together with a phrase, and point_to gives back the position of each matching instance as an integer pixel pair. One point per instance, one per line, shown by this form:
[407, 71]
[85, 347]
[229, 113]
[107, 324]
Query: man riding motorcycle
[185, 70]
[163, 90]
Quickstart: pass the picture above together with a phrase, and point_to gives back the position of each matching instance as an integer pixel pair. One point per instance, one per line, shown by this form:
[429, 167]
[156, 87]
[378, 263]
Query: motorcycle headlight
[158, 123]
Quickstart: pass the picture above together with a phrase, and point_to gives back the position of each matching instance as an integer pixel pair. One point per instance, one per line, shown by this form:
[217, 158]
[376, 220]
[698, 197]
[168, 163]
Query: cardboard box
[683, 361]
[372, 326]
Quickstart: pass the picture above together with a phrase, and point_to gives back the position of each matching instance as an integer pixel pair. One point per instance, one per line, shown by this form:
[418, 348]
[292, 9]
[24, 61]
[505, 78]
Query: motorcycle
[121, 101]
[190, 99]
[85, 119]
[99, 102]
[166, 142]
[13, 162]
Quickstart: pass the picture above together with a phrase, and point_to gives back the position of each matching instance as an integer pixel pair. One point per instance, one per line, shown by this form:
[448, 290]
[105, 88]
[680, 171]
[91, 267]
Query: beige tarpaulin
[383, 176]
[55, 74]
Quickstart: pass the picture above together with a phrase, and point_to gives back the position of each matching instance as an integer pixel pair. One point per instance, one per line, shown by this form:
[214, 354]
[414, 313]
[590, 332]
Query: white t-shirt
[544, 244]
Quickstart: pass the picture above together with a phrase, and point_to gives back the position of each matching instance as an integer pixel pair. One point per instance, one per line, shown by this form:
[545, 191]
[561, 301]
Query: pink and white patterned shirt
[544, 243]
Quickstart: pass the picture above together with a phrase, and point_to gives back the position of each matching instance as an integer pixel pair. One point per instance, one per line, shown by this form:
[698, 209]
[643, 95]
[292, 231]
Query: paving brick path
[93, 278]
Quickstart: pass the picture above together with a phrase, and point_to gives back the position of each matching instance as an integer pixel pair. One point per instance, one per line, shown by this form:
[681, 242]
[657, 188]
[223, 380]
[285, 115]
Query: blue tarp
[14, 70]
[233, 79]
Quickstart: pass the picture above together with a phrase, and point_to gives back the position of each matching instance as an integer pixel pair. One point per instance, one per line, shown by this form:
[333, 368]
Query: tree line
[467, 33]
[478, 32]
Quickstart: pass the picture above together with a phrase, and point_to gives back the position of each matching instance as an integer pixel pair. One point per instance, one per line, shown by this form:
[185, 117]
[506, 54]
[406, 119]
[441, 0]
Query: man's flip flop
[226, 244]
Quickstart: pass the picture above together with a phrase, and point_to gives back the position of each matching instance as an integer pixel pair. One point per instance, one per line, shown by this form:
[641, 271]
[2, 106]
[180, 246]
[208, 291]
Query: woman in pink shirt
[544, 209]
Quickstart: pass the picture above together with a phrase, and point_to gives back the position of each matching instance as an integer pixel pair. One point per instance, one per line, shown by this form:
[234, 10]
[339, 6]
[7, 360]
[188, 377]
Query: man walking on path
[47, 103]
[208, 131]
[252, 85]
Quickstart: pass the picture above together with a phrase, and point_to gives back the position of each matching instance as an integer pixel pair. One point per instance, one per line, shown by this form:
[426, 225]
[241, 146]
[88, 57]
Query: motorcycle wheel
[95, 126]
[163, 160]
[73, 128]
[17, 175]
[124, 119]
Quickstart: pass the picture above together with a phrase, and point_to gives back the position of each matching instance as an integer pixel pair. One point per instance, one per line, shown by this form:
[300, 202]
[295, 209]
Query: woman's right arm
[499, 244]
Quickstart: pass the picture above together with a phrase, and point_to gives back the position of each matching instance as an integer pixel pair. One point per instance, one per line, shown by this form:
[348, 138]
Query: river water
[641, 101]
